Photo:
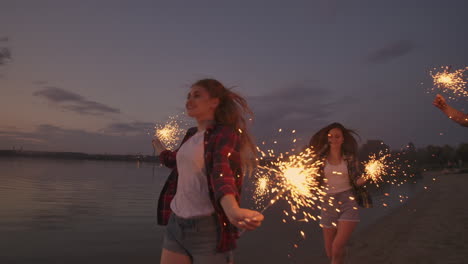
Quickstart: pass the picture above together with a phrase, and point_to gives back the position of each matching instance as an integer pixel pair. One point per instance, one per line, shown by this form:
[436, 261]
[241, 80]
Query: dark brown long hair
[233, 111]
[319, 140]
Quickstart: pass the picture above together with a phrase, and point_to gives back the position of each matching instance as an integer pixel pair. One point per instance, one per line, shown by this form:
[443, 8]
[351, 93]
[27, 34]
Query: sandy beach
[430, 228]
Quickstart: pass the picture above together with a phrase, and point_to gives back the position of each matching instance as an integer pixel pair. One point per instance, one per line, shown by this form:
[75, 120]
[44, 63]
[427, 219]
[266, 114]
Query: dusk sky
[95, 76]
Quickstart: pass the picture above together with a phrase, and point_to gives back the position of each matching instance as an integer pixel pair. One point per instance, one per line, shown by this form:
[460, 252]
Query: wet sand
[430, 228]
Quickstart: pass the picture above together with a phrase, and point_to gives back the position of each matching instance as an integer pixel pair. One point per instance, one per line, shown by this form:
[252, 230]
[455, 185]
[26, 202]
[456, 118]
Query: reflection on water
[57, 211]
[62, 211]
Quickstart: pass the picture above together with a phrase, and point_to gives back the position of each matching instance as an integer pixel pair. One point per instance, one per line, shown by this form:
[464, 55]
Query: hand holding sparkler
[361, 181]
[240, 217]
[439, 102]
[170, 133]
[157, 145]
[246, 219]
[452, 113]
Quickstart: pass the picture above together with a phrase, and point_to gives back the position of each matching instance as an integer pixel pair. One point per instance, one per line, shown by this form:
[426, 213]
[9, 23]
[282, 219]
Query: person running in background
[343, 183]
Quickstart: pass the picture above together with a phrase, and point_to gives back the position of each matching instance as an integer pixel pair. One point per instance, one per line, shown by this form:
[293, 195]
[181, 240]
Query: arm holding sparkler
[157, 145]
[225, 181]
[168, 157]
[452, 113]
[361, 180]
[240, 217]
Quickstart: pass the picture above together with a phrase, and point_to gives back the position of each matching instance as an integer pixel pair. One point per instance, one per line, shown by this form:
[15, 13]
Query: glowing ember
[303, 234]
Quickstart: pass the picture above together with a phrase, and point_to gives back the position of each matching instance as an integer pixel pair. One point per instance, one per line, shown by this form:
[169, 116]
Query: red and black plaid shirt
[224, 173]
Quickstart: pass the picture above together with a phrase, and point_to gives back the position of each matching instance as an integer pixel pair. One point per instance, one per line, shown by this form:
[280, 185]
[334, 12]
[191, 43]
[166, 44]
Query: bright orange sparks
[451, 82]
[375, 168]
[169, 133]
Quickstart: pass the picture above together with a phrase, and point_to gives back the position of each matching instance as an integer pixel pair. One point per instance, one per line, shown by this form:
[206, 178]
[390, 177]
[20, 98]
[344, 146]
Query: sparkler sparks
[262, 189]
[393, 169]
[293, 179]
[375, 168]
[262, 185]
[170, 133]
[453, 82]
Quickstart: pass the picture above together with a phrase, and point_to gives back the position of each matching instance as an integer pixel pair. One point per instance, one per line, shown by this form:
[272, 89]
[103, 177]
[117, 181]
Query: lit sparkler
[375, 168]
[453, 82]
[294, 180]
[170, 133]
[393, 169]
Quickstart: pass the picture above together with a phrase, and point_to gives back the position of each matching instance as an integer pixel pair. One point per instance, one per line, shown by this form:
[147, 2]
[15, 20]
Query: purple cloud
[391, 51]
[74, 102]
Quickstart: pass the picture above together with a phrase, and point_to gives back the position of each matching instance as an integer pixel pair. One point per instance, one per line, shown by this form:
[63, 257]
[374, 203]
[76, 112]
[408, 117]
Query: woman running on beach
[200, 201]
[342, 182]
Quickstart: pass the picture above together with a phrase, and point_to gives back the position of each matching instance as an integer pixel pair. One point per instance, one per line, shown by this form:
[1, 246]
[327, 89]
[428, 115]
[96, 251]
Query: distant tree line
[411, 159]
[5, 53]
[429, 157]
[76, 156]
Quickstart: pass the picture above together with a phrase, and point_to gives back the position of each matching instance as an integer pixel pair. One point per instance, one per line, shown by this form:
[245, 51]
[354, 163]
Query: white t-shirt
[192, 195]
[336, 177]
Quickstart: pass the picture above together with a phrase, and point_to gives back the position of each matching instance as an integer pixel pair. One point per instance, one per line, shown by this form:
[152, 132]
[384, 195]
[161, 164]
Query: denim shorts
[339, 207]
[197, 238]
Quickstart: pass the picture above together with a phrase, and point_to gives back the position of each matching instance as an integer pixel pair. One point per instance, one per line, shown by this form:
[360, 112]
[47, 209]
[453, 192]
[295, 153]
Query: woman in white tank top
[340, 179]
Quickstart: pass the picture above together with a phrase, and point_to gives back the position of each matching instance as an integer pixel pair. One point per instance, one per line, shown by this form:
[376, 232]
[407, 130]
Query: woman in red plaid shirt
[200, 200]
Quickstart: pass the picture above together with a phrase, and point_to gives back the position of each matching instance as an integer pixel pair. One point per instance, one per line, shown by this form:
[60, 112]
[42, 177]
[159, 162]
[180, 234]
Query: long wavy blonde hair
[233, 111]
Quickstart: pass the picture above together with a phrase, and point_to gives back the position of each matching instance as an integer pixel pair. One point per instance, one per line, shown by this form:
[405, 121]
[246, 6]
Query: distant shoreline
[85, 156]
[77, 156]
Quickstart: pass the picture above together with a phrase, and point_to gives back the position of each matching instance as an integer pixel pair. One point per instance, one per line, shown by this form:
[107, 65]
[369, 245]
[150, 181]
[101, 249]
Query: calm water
[57, 211]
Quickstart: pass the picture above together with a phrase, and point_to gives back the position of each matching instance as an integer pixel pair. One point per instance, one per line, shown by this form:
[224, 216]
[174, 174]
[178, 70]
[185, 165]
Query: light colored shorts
[197, 238]
[339, 207]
